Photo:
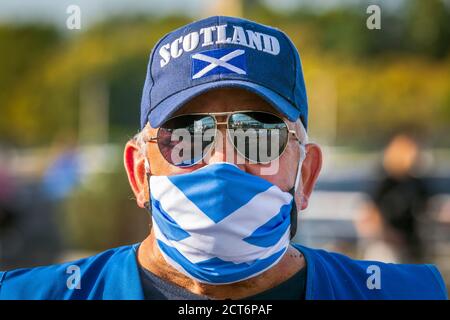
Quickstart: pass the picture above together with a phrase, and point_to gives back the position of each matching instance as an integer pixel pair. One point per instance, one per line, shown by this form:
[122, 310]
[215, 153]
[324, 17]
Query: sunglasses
[257, 136]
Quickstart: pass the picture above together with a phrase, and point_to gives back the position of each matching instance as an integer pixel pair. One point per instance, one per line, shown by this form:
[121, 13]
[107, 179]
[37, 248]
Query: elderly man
[223, 166]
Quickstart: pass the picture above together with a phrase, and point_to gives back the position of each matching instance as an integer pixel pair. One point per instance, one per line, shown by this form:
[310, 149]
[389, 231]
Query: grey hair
[140, 137]
[302, 134]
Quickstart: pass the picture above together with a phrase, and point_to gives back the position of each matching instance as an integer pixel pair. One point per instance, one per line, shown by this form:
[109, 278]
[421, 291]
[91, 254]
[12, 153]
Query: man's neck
[151, 259]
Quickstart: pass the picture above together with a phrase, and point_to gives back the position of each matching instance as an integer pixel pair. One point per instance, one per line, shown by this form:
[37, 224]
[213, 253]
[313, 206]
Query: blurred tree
[428, 27]
[47, 98]
[23, 49]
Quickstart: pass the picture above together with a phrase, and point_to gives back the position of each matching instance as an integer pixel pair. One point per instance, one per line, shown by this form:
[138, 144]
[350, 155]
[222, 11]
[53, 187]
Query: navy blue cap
[219, 52]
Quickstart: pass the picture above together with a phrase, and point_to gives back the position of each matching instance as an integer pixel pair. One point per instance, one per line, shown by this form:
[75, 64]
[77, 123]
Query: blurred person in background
[7, 191]
[398, 201]
[31, 209]
[60, 177]
[63, 171]
[222, 226]
[9, 213]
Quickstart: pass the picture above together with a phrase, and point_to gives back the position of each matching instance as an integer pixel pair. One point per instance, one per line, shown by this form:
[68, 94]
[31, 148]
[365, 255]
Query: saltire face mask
[219, 224]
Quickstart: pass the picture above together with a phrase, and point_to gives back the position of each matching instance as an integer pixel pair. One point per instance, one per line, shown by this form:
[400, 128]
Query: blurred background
[379, 107]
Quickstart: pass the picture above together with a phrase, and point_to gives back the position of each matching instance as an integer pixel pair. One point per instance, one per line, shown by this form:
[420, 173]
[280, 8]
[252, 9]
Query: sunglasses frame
[217, 123]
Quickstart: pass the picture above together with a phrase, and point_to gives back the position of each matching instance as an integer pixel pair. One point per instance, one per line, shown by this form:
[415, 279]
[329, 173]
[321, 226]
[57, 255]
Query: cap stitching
[295, 63]
[302, 114]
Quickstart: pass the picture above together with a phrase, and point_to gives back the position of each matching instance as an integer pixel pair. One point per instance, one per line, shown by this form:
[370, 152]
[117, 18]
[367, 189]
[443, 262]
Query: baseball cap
[219, 52]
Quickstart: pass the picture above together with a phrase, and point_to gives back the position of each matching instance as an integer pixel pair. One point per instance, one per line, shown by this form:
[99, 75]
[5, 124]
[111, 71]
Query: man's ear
[134, 163]
[310, 171]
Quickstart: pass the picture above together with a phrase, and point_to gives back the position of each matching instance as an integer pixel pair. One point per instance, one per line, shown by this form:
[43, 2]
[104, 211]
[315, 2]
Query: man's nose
[223, 150]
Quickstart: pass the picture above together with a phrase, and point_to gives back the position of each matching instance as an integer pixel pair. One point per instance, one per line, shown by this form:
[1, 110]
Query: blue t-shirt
[114, 274]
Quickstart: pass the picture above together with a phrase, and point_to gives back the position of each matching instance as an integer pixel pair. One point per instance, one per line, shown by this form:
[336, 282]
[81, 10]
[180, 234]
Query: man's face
[225, 100]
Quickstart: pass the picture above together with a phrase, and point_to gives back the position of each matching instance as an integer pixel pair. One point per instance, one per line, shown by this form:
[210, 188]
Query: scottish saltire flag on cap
[218, 61]
[214, 232]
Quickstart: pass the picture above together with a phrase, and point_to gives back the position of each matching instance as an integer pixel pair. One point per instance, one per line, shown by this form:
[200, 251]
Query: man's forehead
[225, 100]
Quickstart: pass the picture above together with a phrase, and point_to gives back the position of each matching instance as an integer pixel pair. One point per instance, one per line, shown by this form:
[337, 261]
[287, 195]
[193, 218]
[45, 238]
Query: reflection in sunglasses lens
[185, 140]
[260, 137]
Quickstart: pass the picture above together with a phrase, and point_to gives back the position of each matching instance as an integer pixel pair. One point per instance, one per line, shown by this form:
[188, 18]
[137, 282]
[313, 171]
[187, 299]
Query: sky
[54, 11]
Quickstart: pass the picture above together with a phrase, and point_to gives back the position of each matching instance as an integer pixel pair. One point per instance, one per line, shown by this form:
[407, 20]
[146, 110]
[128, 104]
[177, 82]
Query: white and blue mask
[219, 224]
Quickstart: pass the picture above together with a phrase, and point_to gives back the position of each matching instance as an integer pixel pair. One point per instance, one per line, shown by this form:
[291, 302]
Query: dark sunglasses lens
[258, 136]
[183, 141]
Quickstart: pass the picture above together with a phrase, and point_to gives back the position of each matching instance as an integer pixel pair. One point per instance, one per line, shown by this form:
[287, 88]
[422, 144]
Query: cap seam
[295, 62]
[297, 65]
[220, 46]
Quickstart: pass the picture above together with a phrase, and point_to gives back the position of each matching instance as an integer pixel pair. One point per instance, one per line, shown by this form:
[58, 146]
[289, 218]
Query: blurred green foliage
[361, 83]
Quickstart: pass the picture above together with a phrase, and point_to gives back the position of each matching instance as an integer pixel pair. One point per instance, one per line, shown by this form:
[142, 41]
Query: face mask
[219, 224]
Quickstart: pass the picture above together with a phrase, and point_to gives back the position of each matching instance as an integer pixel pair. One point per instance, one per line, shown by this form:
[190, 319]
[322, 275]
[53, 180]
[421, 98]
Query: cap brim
[166, 108]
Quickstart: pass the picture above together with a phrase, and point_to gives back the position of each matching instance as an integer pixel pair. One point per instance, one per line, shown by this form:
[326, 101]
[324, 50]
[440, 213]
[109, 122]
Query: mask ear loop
[147, 204]
[293, 190]
[299, 168]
